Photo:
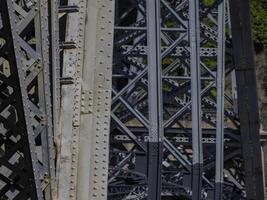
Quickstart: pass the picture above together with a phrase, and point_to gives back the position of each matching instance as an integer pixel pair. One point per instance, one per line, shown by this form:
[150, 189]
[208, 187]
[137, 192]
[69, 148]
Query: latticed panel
[26, 120]
[129, 156]
[17, 178]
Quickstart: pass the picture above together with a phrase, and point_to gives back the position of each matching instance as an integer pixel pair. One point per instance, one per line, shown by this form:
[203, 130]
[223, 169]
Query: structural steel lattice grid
[177, 128]
[174, 99]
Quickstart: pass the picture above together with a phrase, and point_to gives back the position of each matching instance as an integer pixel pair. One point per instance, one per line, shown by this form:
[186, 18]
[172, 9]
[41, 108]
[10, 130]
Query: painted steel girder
[86, 92]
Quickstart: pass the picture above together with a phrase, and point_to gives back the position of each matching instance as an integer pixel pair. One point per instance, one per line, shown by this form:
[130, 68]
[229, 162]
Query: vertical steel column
[247, 98]
[54, 53]
[95, 99]
[220, 103]
[154, 100]
[48, 135]
[69, 135]
[194, 37]
[71, 103]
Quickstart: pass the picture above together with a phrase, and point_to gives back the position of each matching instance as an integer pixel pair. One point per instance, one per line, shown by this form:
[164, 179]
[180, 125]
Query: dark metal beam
[155, 100]
[220, 103]
[247, 97]
[194, 35]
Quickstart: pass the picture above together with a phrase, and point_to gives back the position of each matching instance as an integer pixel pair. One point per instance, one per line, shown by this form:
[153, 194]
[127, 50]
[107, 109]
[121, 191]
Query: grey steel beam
[55, 60]
[220, 103]
[86, 103]
[194, 37]
[69, 162]
[45, 93]
[155, 100]
[94, 77]
[68, 9]
[68, 135]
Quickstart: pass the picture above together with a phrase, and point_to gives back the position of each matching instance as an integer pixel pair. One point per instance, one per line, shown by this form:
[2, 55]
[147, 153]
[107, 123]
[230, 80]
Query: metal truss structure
[176, 122]
[27, 147]
[128, 99]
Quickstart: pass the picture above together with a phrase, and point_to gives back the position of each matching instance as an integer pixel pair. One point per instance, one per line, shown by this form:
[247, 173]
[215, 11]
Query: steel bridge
[128, 100]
